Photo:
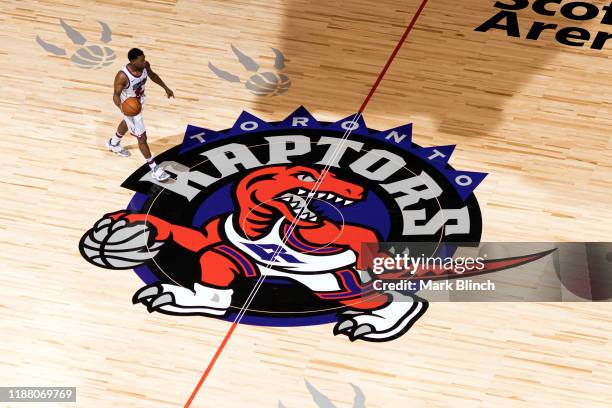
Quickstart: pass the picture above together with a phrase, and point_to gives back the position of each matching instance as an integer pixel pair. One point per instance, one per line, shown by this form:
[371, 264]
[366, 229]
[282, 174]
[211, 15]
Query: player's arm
[120, 84]
[155, 78]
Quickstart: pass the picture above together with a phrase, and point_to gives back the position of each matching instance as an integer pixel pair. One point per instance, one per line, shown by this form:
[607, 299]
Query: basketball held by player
[130, 83]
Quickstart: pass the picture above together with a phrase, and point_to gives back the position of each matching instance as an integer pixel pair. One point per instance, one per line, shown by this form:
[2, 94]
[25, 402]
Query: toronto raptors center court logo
[293, 201]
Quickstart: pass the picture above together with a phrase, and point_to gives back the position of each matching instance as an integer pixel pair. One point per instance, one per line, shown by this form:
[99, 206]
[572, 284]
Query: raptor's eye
[305, 177]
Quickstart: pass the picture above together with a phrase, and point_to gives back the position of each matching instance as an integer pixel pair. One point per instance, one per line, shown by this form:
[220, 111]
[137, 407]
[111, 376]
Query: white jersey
[136, 86]
[306, 268]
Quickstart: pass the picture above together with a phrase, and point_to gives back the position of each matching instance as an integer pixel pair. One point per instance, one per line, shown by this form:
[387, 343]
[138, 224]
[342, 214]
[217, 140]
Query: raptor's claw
[343, 326]
[145, 293]
[361, 331]
[165, 299]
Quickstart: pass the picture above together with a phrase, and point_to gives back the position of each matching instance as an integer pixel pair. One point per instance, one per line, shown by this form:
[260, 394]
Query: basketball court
[524, 118]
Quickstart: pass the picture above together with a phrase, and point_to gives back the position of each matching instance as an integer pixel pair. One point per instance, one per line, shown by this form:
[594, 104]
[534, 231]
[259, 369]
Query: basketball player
[130, 82]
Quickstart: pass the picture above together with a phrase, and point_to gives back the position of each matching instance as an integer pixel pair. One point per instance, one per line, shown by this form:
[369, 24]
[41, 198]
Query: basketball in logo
[115, 244]
[268, 84]
[93, 56]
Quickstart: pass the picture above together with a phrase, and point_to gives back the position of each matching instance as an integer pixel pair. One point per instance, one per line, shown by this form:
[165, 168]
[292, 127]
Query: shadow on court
[459, 77]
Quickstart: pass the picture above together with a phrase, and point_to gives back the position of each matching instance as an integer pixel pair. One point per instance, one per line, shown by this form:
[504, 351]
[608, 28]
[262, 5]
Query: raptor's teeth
[301, 192]
[348, 202]
[338, 199]
[294, 204]
[330, 196]
[310, 195]
[286, 198]
[303, 216]
[319, 195]
[313, 218]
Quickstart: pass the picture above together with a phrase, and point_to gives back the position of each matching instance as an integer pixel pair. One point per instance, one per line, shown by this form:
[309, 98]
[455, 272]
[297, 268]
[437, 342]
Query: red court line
[361, 109]
[393, 54]
[211, 364]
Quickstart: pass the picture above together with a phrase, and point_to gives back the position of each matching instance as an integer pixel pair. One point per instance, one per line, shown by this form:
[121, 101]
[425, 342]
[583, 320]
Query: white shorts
[135, 124]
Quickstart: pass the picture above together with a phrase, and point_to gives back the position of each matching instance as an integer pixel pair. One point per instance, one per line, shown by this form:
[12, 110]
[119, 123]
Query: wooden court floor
[535, 115]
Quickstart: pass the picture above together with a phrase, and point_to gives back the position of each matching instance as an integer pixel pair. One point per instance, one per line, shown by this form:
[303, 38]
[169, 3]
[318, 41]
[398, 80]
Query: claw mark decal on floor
[200, 240]
[323, 401]
[265, 83]
[88, 57]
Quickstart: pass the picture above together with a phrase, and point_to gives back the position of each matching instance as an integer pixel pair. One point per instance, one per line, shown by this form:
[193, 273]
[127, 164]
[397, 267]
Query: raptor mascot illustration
[272, 232]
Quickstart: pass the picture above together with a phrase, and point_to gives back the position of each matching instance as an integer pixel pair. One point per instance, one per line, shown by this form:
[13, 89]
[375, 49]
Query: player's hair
[134, 53]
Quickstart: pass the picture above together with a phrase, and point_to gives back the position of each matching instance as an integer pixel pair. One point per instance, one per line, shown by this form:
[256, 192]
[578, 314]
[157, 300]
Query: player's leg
[114, 143]
[157, 172]
[137, 128]
[121, 130]
[143, 146]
